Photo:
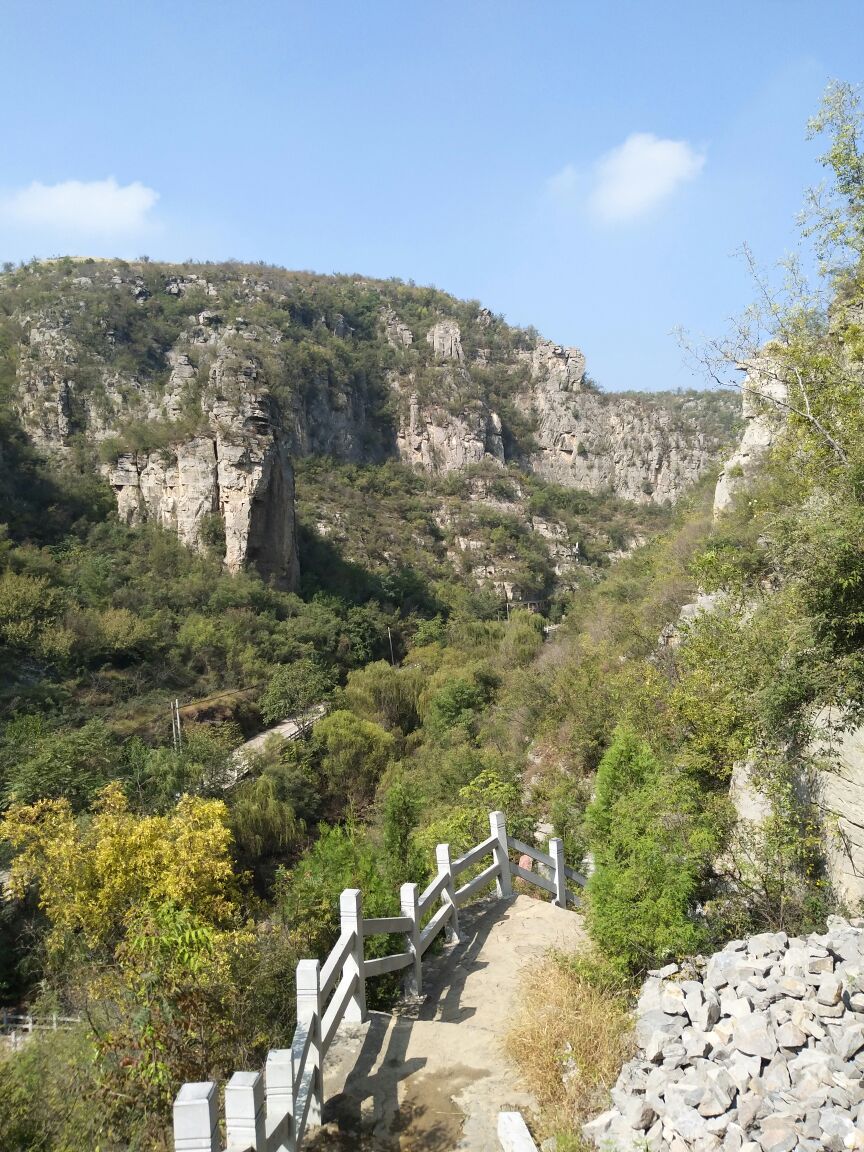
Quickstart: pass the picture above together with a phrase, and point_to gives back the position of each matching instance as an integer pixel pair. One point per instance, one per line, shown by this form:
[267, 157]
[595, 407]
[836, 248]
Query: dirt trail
[433, 1076]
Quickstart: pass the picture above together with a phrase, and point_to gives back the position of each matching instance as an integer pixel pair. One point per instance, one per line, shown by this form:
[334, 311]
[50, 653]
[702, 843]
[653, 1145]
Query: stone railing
[271, 1112]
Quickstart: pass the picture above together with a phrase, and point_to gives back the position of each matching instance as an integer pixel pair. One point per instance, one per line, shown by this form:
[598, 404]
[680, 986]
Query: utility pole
[390, 638]
[176, 730]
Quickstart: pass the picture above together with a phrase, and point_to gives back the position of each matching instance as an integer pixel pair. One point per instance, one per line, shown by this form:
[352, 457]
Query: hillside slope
[196, 388]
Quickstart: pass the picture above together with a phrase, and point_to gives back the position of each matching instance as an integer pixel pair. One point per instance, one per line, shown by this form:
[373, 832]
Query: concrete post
[351, 916]
[279, 1099]
[409, 900]
[498, 828]
[196, 1123]
[556, 851]
[245, 1123]
[448, 896]
[309, 1012]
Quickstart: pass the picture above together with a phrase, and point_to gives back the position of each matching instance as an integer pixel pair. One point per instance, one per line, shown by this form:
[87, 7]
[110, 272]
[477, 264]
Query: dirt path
[433, 1076]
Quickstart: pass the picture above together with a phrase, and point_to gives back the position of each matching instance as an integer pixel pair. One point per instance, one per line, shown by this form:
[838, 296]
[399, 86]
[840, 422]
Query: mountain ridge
[200, 386]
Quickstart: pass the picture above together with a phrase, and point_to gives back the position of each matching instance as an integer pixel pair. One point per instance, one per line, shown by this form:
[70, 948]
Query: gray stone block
[754, 1036]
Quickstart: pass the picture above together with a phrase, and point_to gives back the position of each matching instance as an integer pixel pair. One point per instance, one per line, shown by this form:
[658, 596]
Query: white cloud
[94, 208]
[640, 174]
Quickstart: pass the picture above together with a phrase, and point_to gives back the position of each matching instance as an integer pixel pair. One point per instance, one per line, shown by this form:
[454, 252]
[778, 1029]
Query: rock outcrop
[759, 1049]
[200, 386]
[230, 480]
[445, 339]
[438, 440]
[603, 443]
[838, 792]
[399, 335]
[762, 396]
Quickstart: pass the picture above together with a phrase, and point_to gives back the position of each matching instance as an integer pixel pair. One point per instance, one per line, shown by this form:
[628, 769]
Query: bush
[652, 847]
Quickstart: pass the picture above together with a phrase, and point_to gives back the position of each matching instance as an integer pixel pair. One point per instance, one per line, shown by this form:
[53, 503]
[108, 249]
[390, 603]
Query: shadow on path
[367, 1113]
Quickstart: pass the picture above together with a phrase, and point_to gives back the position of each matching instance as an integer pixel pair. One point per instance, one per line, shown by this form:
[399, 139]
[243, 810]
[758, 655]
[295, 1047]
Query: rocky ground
[758, 1049]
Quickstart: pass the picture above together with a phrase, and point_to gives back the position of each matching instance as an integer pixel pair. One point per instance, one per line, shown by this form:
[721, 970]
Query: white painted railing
[17, 1022]
[271, 1112]
[513, 1134]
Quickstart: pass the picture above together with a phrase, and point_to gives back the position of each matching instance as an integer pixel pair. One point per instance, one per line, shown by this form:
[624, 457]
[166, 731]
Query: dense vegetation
[165, 893]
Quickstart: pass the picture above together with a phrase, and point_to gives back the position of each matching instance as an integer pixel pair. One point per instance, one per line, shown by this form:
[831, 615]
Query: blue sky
[587, 167]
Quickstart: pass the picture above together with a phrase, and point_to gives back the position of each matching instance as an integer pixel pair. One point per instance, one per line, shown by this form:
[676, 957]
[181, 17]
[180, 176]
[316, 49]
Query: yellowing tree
[145, 933]
[92, 874]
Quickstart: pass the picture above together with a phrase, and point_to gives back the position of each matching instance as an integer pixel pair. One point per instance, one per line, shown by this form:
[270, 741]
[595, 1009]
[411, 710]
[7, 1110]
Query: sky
[590, 167]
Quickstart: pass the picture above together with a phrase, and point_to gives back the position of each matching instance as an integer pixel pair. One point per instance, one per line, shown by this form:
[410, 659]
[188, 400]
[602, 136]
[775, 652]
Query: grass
[569, 1038]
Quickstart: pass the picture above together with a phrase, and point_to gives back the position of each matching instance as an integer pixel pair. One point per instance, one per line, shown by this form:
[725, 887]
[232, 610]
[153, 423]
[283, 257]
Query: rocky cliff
[198, 385]
[836, 783]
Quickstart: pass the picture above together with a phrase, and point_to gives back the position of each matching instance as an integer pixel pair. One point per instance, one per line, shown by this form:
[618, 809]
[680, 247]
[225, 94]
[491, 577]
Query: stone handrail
[271, 1112]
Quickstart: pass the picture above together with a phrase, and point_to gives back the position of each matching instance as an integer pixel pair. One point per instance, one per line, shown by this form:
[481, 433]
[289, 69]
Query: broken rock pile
[762, 1050]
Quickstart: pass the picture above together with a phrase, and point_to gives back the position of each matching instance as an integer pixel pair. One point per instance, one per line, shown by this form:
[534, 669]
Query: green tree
[43, 763]
[652, 848]
[295, 688]
[354, 754]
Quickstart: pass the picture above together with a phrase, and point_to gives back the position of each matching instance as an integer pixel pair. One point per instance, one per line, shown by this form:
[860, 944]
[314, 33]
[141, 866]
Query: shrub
[652, 847]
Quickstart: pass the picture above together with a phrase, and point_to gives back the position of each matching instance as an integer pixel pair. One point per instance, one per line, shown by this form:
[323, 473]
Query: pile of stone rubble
[760, 1050]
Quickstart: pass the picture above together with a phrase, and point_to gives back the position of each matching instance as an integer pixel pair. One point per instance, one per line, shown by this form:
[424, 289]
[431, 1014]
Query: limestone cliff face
[620, 444]
[838, 790]
[436, 440]
[632, 447]
[231, 477]
[200, 384]
[762, 395]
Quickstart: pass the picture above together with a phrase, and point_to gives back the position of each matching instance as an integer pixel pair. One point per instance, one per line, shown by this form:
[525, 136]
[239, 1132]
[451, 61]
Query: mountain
[196, 391]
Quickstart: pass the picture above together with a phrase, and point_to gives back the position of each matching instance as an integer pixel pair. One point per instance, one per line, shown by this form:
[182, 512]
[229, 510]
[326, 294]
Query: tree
[92, 875]
[354, 754]
[836, 213]
[294, 689]
[145, 933]
[652, 847]
[400, 816]
[43, 763]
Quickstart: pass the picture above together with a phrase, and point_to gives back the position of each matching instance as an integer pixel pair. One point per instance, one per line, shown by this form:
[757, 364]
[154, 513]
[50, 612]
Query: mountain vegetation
[163, 891]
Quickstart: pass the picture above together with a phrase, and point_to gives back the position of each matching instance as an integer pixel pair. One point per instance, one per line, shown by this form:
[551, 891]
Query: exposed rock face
[761, 1048]
[45, 396]
[438, 441]
[398, 334]
[446, 340]
[761, 394]
[233, 479]
[246, 485]
[599, 443]
[839, 793]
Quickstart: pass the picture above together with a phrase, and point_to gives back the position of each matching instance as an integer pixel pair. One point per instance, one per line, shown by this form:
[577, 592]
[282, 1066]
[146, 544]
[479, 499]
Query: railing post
[408, 898]
[351, 916]
[448, 896]
[196, 1124]
[309, 1013]
[498, 828]
[279, 1100]
[556, 851]
[245, 1123]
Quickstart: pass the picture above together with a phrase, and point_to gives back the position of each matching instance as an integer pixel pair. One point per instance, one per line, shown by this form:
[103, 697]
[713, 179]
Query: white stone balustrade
[271, 1112]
